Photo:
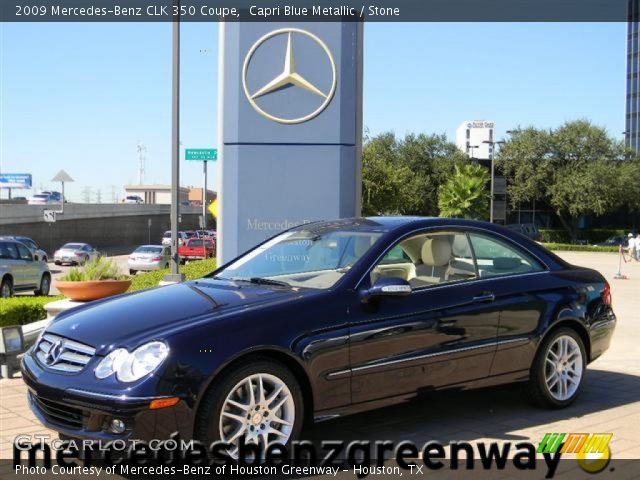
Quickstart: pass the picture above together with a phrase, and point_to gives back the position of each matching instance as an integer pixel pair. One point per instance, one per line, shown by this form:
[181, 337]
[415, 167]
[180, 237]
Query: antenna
[142, 158]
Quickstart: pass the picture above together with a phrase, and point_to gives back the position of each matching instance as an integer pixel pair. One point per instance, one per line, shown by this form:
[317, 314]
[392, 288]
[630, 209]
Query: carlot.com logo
[591, 449]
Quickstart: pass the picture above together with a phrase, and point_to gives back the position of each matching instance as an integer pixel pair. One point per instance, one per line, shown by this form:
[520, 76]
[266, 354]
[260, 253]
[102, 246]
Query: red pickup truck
[197, 249]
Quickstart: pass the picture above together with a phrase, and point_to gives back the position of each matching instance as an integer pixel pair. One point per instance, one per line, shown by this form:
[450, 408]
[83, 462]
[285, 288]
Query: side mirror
[387, 287]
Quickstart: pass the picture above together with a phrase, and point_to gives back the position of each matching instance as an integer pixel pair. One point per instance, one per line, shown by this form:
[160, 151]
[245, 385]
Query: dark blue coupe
[325, 319]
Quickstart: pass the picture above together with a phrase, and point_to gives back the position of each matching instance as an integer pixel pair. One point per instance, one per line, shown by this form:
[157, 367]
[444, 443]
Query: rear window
[149, 250]
[198, 243]
[167, 234]
[73, 246]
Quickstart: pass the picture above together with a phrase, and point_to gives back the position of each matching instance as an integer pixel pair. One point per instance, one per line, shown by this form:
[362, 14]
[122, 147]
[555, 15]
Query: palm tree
[465, 194]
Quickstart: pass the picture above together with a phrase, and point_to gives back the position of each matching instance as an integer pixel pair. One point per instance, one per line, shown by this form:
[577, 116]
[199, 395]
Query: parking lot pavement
[610, 401]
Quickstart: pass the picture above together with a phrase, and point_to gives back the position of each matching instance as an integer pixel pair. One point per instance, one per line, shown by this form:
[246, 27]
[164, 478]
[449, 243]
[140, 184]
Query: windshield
[303, 258]
[148, 250]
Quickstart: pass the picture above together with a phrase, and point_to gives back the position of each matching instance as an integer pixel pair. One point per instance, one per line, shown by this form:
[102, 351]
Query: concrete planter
[92, 290]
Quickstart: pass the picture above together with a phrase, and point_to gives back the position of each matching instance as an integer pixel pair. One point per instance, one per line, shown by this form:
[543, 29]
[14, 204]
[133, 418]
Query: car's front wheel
[258, 402]
[558, 370]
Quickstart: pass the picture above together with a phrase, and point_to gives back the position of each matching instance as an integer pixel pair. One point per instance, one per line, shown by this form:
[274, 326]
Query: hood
[132, 319]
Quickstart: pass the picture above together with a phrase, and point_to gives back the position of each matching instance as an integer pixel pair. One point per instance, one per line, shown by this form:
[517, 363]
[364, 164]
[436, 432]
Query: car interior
[431, 259]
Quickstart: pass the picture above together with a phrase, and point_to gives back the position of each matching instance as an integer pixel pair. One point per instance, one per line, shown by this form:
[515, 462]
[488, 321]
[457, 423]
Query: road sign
[201, 154]
[15, 180]
[50, 216]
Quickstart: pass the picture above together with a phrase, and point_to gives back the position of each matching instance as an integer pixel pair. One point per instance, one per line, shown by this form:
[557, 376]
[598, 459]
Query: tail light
[156, 259]
[78, 254]
[606, 294]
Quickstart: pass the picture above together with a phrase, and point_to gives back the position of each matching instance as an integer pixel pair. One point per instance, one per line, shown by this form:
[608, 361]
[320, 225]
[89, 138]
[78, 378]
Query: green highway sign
[201, 154]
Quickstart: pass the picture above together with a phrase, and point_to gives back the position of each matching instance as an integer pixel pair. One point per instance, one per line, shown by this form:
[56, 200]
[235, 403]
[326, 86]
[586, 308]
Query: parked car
[149, 257]
[325, 319]
[529, 230]
[135, 199]
[197, 249]
[40, 255]
[166, 238]
[75, 254]
[20, 271]
[615, 241]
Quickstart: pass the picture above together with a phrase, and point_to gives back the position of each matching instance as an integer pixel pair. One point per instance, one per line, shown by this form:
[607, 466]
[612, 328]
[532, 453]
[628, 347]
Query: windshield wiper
[268, 281]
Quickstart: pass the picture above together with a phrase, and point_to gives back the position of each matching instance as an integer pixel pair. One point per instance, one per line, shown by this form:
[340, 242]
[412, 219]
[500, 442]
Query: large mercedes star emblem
[289, 76]
[54, 353]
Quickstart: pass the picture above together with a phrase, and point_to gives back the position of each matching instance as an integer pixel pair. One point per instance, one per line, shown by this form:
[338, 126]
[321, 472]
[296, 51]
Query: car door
[10, 262]
[30, 268]
[443, 333]
[520, 283]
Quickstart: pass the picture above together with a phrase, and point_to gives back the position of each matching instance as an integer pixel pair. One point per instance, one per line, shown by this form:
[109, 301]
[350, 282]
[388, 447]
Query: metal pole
[492, 179]
[175, 276]
[204, 195]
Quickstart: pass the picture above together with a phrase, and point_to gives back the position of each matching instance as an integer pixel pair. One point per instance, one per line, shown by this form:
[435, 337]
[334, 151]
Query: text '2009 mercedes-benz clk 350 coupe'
[325, 319]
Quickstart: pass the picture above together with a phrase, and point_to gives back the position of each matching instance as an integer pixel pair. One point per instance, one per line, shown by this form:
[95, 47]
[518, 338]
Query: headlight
[130, 367]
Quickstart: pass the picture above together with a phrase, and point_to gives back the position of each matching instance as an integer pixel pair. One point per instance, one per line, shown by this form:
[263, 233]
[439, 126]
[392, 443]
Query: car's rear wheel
[45, 286]
[132, 272]
[6, 288]
[558, 370]
[259, 402]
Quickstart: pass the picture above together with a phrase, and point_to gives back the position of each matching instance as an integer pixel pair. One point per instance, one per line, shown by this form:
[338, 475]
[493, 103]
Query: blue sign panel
[15, 180]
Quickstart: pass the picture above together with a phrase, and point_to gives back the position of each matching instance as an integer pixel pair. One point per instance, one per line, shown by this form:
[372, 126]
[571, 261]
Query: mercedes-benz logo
[289, 76]
[55, 352]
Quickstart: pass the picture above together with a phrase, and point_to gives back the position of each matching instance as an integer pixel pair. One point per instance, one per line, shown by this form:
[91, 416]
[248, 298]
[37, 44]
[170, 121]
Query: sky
[80, 97]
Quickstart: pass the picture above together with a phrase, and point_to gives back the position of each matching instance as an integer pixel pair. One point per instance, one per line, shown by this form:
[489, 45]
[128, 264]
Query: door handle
[484, 297]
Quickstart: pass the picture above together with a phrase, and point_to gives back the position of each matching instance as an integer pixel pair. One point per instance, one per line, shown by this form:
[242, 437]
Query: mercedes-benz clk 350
[325, 319]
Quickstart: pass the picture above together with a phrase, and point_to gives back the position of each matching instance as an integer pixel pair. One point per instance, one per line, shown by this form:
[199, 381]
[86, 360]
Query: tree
[577, 169]
[402, 176]
[466, 194]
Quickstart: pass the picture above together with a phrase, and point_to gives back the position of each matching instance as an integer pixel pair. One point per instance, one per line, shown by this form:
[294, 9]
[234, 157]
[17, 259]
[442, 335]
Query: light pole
[175, 275]
[493, 172]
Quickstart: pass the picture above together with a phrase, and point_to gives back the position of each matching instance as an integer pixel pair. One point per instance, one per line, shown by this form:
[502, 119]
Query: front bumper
[86, 414]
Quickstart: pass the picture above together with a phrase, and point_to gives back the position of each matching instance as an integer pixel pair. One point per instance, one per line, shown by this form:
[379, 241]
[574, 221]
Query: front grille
[59, 353]
[59, 413]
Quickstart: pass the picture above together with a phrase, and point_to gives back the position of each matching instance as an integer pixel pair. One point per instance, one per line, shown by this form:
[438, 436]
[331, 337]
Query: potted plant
[98, 278]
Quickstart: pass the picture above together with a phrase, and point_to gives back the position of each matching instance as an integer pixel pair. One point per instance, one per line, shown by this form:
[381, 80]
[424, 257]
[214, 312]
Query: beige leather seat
[436, 254]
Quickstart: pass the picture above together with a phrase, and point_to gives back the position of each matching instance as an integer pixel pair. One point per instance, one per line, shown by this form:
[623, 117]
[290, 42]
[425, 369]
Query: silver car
[31, 245]
[75, 254]
[149, 257]
[20, 271]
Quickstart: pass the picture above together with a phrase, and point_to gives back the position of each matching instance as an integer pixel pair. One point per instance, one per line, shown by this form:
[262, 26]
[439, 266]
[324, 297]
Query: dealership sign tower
[290, 128]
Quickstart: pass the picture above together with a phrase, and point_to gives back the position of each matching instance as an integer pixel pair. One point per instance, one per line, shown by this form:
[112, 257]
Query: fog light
[116, 426]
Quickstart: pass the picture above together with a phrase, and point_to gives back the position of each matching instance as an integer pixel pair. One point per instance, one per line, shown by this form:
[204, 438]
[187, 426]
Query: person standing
[637, 242]
[631, 246]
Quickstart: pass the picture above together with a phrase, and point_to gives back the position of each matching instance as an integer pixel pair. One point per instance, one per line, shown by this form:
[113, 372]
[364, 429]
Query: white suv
[22, 270]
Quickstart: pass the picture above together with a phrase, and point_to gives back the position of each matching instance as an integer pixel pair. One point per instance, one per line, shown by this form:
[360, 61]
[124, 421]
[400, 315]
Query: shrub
[98, 269]
[578, 248]
[191, 271]
[23, 310]
[592, 235]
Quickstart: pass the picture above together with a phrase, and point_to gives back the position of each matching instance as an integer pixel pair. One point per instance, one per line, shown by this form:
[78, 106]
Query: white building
[470, 136]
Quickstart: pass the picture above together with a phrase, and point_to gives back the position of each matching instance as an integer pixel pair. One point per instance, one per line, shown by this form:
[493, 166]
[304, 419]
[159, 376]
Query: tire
[209, 424]
[45, 286]
[6, 288]
[58, 263]
[45, 259]
[166, 266]
[132, 272]
[562, 387]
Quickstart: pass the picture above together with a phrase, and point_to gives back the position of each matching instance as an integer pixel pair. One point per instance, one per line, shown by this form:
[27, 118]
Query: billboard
[15, 180]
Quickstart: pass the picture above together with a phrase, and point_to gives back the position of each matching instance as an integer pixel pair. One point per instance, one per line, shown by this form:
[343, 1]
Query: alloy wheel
[563, 368]
[259, 409]
[45, 285]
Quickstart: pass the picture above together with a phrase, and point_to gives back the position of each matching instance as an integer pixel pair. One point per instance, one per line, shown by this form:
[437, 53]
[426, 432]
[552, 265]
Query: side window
[497, 258]
[4, 251]
[12, 251]
[24, 252]
[428, 259]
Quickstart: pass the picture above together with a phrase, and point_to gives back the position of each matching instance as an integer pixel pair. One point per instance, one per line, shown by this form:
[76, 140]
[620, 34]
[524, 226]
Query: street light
[493, 145]
[175, 275]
